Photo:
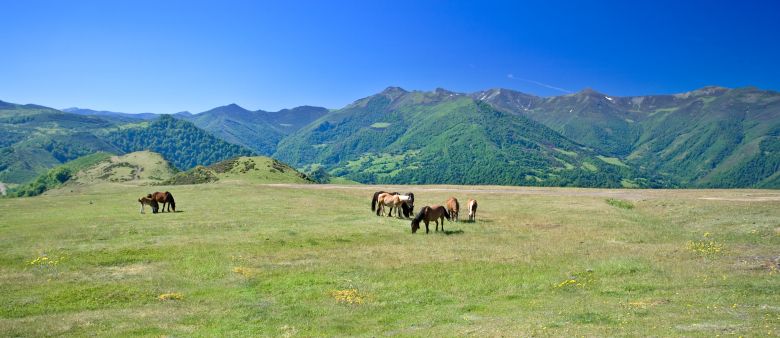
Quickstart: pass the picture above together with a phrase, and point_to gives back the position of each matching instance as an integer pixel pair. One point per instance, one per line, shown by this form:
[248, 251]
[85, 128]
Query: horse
[407, 208]
[148, 200]
[164, 198]
[399, 202]
[430, 213]
[453, 207]
[472, 205]
[374, 200]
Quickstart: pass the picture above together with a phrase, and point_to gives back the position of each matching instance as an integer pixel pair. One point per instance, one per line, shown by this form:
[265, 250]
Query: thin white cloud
[512, 77]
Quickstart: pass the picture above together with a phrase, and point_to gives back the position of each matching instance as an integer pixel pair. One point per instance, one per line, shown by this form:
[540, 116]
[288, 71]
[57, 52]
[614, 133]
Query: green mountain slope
[443, 137]
[698, 138]
[36, 138]
[258, 130]
[180, 142]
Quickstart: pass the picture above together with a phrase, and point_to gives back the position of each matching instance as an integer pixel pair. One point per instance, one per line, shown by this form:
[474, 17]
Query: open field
[242, 258]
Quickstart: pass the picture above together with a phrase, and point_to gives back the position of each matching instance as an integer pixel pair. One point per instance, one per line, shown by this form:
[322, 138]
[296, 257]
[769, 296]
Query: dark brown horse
[164, 198]
[430, 213]
[453, 207]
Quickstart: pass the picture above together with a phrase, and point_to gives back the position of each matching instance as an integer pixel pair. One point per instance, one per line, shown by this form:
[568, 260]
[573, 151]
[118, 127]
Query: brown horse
[472, 205]
[399, 202]
[430, 213]
[452, 207]
[164, 198]
[148, 200]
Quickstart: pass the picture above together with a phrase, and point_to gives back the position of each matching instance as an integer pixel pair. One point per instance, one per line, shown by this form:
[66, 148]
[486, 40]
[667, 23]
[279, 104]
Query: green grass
[248, 259]
[613, 161]
[380, 125]
[622, 204]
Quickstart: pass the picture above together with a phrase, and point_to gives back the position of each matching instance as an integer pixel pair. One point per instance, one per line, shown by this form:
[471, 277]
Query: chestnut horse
[148, 200]
[472, 205]
[430, 213]
[453, 207]
[164, 198]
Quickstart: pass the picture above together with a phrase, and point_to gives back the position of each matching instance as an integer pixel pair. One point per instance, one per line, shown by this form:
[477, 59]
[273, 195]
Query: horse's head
[415, 225]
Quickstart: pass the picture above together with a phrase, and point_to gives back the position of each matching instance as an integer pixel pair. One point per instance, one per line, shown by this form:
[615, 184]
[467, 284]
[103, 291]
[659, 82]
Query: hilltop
[257, 169]
[141, 167]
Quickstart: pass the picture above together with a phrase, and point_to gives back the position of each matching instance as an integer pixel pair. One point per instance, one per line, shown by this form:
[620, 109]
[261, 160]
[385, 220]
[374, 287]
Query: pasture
[241, 258]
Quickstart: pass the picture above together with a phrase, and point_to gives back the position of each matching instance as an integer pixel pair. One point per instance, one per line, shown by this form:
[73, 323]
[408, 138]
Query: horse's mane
[421, 214]
[446, 214]
[411, 196]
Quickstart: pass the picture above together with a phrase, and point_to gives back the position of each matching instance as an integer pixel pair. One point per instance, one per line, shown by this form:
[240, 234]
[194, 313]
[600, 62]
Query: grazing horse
[453, 207]
[375, 199]
[399, 202]
[472, 205]
[407, 208]
[147, 200]
[164, 198]
[430, 213]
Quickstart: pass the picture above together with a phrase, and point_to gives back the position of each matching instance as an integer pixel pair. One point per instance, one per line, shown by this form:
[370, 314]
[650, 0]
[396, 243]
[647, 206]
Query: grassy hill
[59, 175]
[141, 167]
[239, 258]
[443, 137]
[257, 169]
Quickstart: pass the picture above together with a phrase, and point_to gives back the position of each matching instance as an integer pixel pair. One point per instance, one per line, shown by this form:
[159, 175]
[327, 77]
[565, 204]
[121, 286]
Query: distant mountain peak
[588, 91]
[704, 91]
[394, 90]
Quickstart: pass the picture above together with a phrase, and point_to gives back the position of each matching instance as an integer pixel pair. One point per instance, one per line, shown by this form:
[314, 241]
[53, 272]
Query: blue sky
[169, 56]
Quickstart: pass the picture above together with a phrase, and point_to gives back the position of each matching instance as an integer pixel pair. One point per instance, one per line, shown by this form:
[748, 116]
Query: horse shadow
[453, 232]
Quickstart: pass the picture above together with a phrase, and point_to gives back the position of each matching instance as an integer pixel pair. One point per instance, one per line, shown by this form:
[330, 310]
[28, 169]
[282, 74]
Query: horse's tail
[373, 200]
[170, 200]
[446, 214]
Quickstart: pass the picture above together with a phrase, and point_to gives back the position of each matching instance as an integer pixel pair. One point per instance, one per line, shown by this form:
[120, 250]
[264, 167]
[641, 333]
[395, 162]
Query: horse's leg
[442, 223]
[142, 208]
[390, 213]
[427, 230]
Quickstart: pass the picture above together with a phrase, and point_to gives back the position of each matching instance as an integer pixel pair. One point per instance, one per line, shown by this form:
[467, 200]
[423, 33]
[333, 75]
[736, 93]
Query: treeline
[180, 142]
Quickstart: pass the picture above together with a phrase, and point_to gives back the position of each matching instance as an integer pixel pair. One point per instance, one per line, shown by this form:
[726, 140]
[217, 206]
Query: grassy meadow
[242, 258]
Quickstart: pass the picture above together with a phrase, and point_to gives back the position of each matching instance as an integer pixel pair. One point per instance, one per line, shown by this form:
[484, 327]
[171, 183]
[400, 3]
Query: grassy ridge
[249, 259]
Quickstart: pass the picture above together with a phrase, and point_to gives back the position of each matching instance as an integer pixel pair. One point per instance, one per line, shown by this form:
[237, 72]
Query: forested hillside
[180, 142]
[444, 137]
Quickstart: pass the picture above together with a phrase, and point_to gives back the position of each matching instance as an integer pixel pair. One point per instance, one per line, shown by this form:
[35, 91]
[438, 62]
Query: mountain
[110, 115]
[180, 142]
[258, 130]
[702, 138]
[36, 138]
[398, 136]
